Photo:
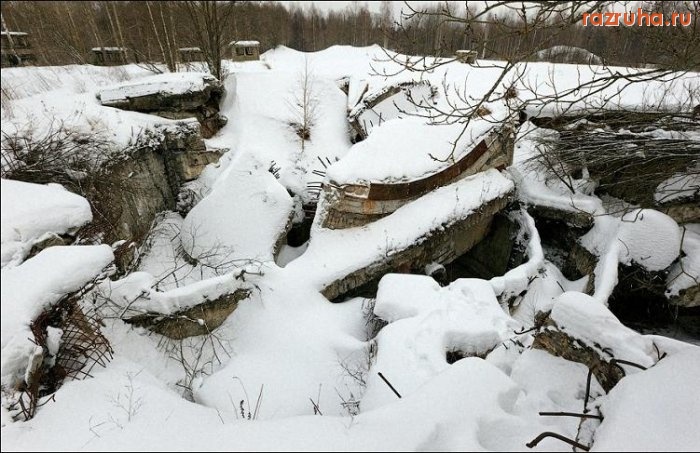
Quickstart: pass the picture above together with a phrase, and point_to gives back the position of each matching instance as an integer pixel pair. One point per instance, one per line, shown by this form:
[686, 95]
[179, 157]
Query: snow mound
[291, 340]
[169, 83]
[581, 316]
[656, 410]
[242, 218]
[643, 237]
[401, 150]
[651, 239]
[35, 285]
[427, 322]
[31, 212]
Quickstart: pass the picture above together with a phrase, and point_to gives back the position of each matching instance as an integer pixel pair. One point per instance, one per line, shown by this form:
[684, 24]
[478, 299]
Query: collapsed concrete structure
[351, 205]
[173, 96]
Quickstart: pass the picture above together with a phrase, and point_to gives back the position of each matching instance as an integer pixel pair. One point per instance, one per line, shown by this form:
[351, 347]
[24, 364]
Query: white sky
[341, 5]
[374, 6]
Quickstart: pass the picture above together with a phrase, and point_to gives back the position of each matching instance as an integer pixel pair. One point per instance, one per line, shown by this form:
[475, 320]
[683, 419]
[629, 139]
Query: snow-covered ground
[289, 370]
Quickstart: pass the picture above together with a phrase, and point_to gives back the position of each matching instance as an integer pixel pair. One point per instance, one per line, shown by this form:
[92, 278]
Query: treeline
[64, 32]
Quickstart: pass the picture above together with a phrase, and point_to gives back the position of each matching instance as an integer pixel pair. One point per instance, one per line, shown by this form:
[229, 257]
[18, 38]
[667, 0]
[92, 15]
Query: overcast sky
[333, 5]
[375, 5]
[340, 5]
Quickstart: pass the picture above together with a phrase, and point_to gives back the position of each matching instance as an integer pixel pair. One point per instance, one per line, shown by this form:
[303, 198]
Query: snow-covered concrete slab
[30, 212]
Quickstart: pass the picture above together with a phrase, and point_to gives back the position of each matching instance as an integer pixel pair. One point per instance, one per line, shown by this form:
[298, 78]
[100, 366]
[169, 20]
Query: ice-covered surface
[656, 410]
[36, 284]
[686, 272]
[31, 212]
[167, 84]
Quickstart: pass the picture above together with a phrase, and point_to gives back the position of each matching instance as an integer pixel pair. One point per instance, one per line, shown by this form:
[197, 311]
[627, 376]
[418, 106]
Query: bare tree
[211, 21]
[513, 33]
[304, 105]
[386, 13]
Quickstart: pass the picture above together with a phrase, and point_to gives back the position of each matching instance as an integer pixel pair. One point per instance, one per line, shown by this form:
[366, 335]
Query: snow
[568, 54]
[28, 81]
[517, 280]
[50, 100]
[582, 317]
[536, 185]
[290, 339]
[650, 238]
[656, 410]
[408, 225]
[551, 89]
[35, 285]
[170, 84]
[686, 273]
[644, 237]
[412, 98]
[678, 187]
[423, 424]
[400, 150]
[425, 322]
[261, 107]
[241, 219]
[109, 49]
[245, 43]
[288, 343]
[33, 212]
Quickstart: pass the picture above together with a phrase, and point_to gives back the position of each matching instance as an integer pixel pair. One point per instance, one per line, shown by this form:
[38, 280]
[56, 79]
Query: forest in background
[64, 32]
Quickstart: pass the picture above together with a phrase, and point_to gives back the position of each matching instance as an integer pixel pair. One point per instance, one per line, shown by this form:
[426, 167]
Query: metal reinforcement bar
[570, 414]
[389, 384]
[544, 435]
